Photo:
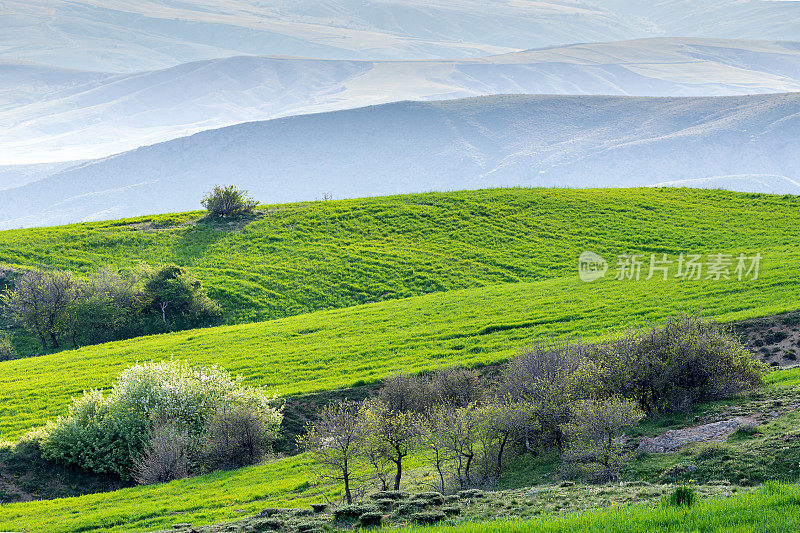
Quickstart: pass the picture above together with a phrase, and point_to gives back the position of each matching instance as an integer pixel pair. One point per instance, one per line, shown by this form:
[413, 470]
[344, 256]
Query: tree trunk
[54, 340]
[399, 473]
[500, 455]
[347, 493]
[44, 342]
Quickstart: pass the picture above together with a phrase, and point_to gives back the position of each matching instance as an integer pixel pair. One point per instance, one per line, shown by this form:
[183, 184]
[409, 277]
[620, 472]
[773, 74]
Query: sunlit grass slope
[772, 508]
[330, 349]
[296, 258]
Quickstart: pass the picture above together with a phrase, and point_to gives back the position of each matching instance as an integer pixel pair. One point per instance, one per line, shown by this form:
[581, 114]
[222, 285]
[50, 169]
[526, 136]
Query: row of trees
[109, 305]
[564, 396]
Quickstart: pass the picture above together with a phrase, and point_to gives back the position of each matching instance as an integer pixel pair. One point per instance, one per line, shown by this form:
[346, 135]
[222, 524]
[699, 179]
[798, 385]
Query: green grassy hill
[539, 235]
[459, 278]
[296, 258]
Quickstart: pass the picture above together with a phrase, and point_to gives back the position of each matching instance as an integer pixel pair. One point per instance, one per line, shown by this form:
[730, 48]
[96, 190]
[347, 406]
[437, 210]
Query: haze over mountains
[129, 36]
[746, 142]
[54, 114]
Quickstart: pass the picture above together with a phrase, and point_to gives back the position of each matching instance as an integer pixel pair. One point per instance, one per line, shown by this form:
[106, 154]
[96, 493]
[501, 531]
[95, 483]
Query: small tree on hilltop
[228, 202]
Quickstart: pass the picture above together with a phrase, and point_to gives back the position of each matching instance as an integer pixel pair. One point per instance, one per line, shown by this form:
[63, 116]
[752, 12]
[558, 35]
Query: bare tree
[336, 443]
[433, 441]
[593, 432]
[394, 432]
[404, 392]
[237, 436]
[543, 377]
[165, 456]
[457, 387]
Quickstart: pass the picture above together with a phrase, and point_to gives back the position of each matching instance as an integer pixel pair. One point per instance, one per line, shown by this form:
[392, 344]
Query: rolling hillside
[54, 114]
[515, 250]
[544, 141]
[296, 258]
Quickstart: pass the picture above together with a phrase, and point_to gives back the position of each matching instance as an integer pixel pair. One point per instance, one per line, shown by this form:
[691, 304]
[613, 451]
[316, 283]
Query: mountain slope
[53, 114]
[124, 36]
[417, 146]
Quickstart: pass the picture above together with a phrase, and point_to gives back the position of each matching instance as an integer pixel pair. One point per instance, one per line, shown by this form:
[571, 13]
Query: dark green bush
[389, 495]
[430, 498]
[267, 524]
[319, 507]
[227, 202]
[409, 507]
[350, 513]
[371, 519]
[430, 517]
[451, 510]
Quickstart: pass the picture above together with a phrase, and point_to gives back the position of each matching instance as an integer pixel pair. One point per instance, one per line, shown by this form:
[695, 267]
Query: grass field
[296, 258]
[333, 349]
[773, 508]
[461, 278]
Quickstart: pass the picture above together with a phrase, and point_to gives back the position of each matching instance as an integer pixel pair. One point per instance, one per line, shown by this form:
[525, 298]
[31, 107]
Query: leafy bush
[176, 299]
[7, 351]
[107, 433]
[228, 201]
[682, 497]
[669, 367]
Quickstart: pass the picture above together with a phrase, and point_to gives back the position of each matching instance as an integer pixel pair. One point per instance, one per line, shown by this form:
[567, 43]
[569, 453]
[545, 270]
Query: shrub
[430, 517]
[7, 351]
[682, 497]
[371, 519]
[430, 498]
[176, 299]
[238, 436]
[669, 367]
[165, 457]
[451, 510]
[592, 433]
[389, 495]
[104, 434]
[319, 507]
[267, 524]
[349, 513]
[228, 201]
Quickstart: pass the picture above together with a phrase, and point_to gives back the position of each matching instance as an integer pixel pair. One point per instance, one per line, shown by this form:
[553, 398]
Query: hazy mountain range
[128, 36]
[743, 142]
[53, 114]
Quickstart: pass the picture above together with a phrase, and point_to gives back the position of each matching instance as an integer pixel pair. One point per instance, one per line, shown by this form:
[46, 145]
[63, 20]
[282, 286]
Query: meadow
[772, 508]
[351, 291]
[295, 258]
[333, 349]
[236, 495]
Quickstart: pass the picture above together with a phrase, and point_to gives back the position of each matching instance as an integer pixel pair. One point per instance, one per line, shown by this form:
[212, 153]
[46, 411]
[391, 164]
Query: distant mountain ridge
[49, 114]
[748, 143]
[126, 36]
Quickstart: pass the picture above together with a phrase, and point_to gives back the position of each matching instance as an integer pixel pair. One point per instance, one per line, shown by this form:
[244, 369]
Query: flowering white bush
[106, 433]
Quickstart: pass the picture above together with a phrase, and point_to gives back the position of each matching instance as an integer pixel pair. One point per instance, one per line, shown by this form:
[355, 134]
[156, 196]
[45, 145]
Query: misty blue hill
[747, 143]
